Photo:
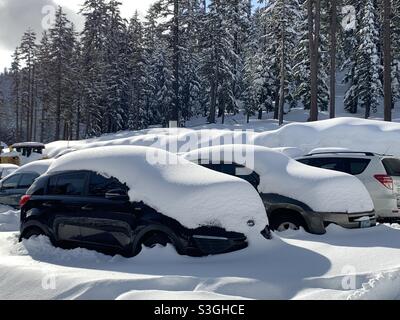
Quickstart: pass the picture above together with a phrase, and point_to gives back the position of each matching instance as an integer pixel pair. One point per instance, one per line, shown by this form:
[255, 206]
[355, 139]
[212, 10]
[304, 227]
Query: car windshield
[392, 166]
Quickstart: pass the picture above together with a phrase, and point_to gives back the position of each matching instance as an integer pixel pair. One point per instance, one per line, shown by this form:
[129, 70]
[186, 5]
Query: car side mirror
[117, 195]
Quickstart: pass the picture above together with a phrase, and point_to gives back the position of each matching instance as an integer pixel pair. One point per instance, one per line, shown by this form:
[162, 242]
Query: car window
[355, 166]
[27, 180]
[12, 182]
[71, 184]
[392, 166]
[100, 185]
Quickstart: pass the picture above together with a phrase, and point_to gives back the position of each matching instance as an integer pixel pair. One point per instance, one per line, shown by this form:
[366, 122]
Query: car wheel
[281, 222]
[33, 232]
[155, 238]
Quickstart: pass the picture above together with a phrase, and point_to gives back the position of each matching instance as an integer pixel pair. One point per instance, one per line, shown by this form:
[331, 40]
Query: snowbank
[350, 133]
[265, 271]
[181, 190]
[9, 219]
[322, 190]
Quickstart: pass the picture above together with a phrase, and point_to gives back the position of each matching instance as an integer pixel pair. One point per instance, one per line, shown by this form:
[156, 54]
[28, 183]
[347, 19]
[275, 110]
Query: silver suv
[379, 173]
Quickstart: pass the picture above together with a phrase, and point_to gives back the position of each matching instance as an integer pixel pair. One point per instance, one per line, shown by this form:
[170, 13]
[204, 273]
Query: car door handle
[87, 208]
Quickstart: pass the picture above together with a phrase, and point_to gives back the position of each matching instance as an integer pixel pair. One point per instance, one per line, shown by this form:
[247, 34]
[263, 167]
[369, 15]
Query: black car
[86, 209]
[15, 186]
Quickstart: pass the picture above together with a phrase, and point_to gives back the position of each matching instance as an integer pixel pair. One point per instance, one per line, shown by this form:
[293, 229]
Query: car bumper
[350, 221]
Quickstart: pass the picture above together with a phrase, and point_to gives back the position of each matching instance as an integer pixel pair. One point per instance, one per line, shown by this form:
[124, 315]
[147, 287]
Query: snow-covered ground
[343, 264]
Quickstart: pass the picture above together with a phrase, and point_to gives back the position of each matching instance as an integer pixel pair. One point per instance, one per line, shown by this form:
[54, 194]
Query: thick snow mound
[193, 195]
[322, 190]
[383, 286]
[9, 219]
[174, 295]
[350, 133]
[40, 167]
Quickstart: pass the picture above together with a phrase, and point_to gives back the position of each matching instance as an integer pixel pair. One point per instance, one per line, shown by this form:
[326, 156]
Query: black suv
[85, 209]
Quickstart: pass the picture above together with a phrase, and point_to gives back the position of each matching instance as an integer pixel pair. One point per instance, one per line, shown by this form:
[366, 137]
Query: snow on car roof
[40, 167]
[8, 166]
[189, 193]
[29, 144]
[322, 190]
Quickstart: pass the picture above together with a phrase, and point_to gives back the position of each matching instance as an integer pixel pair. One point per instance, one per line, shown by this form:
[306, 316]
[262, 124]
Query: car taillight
[386, 180]
[24, 200]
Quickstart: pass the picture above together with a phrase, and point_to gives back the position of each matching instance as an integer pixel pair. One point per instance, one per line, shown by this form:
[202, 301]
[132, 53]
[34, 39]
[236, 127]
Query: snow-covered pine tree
[366, 87]
[282, 18]
[116, 73]
[44, 76]
[136, 64]
[395, 26]
[62, 44]
[159, 76]
[258, 82]
[28, 57]
[302, 72]
[16, 92]
[93, 64]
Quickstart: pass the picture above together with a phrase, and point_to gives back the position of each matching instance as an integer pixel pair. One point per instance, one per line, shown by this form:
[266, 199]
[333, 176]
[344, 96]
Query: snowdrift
[322, 190]
[181, 190]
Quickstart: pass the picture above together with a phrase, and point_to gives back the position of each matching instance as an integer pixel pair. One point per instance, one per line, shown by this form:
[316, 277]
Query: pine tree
[302, 68]
[282, 18]
[366, 86]
[62, 43]
[28, 56]
[15, 95]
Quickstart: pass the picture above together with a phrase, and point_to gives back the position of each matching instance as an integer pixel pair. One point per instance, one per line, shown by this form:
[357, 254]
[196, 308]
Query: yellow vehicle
[23, 153]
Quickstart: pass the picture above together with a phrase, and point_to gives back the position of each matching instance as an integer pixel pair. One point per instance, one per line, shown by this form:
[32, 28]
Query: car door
[8, 190]
[65, 198]
[109, 219]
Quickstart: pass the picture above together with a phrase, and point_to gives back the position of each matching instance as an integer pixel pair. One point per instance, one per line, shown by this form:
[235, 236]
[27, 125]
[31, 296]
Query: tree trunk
[58, 104]
[174, 117]
[276, 106]
[387, 60]
[332, 107]
[314, 26]
[282, 75]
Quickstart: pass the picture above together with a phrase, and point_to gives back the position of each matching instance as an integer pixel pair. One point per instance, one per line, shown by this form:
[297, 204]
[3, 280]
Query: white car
[294, 195]
[7, 169]
[379, 173]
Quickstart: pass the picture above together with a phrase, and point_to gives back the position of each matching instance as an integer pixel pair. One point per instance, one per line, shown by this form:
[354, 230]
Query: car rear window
[392, 166]
[353, 166]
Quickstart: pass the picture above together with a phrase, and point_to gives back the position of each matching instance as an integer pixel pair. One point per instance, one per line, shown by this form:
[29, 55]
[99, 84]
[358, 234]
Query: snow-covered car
[379, 173]
[295, 195]
[14, 186]
[6, 169]
[118, 198]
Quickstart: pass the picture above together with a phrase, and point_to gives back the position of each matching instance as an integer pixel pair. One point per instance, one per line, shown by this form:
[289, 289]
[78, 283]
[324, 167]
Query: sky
[16, 16]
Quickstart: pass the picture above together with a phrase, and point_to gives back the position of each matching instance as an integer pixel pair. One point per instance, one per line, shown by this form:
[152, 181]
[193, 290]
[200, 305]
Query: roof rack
[368, 154]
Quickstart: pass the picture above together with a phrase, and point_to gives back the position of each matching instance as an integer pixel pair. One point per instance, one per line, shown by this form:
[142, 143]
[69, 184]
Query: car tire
[286, 221]
[33, 232]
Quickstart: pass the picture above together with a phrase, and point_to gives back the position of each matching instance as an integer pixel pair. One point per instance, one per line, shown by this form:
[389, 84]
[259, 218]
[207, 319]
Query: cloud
[16, 16]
